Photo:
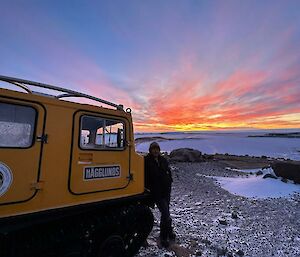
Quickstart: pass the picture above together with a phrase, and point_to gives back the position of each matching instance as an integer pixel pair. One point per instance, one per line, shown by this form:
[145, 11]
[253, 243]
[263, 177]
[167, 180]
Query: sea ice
[238, 143]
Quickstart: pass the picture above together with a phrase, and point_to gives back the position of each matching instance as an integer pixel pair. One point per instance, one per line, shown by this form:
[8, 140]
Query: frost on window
[16, 125]
[100, 133]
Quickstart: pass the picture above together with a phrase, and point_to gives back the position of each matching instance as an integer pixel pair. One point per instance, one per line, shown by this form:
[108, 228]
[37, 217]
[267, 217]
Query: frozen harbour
[204, 198]
[236, 143]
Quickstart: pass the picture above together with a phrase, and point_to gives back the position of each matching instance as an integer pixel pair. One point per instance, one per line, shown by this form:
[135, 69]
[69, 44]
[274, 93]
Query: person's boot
[170, 232]
[164, 242]
[164, 236]
[172, 235]
[145, 244]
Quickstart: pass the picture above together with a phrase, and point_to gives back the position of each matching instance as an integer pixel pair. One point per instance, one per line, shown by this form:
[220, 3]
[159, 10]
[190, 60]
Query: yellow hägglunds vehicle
[71, 183]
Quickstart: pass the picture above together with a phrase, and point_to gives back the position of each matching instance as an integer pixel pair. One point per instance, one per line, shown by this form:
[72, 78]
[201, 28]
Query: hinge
[129, 143]
[130, 177]
[37, 185]
[42, 138]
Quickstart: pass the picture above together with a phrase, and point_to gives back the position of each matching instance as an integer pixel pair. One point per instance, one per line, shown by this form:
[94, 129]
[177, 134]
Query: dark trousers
[163, 205]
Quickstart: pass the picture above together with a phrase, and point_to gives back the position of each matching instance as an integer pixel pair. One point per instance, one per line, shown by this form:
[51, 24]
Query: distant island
[283, 135]
[140, 140]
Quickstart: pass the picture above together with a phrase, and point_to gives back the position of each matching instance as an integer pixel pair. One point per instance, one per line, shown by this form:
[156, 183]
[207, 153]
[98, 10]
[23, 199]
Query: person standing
[158, 180]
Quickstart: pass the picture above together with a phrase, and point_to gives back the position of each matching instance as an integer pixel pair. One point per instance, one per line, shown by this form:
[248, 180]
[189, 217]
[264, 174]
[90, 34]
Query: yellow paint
[52, 187]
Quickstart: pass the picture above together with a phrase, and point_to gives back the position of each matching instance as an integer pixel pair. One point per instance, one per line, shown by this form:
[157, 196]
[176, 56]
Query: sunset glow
[180, 65]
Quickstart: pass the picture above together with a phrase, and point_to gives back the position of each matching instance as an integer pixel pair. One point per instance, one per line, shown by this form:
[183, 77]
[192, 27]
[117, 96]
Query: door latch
[42, 138]
[130, 177]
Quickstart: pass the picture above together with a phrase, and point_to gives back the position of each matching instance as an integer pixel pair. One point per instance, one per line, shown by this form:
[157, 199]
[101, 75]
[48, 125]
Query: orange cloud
[233, 102]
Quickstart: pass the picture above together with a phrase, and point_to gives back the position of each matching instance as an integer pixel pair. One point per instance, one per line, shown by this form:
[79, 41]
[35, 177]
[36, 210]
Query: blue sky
[181, 65]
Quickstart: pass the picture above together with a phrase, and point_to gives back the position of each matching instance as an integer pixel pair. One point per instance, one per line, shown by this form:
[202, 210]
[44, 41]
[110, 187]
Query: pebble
[260, 227]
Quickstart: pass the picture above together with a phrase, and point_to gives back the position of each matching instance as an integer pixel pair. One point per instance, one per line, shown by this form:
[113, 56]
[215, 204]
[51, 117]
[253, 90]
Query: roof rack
[22, 83]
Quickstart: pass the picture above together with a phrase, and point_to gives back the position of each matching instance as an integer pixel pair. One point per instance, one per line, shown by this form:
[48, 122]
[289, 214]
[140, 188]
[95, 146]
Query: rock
[193, 243]
[221, 251]
[180, 250]
[240, 253]
[284, 180]
[259, 173]
[223, 222]
[287, 170]
[205, 241]
[165, 154]
[234, 215]
[269, 176]
[198, 253]
[208, 157]
[186, 155]
[229, 254]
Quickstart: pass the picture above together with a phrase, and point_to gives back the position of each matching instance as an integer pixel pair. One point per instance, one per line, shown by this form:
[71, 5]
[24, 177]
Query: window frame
[36, 113]
[105, 148]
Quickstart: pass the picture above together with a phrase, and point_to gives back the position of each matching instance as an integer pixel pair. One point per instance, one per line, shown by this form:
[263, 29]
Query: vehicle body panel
[59, 182]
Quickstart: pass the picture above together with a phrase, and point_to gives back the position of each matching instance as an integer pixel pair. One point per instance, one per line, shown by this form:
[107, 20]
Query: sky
[179, 65]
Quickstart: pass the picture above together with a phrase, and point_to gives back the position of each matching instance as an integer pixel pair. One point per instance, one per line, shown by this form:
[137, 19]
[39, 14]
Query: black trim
[12, 223]
[78, 142]
[34, 130]
[105, 149]
[41, 149]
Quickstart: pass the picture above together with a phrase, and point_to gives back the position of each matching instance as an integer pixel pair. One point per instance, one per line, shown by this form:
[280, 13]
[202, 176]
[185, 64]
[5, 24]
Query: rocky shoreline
[280, 135]
[285, 169]
[210, 221]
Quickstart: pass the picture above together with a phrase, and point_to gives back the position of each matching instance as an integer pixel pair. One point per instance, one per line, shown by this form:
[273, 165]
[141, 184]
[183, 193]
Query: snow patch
[257, 187]
[266, 170]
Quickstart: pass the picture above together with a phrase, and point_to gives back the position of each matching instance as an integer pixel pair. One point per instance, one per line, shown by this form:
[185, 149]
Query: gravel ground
[204, 217]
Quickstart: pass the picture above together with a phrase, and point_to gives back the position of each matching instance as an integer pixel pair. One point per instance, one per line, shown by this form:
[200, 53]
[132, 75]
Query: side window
[17, 125]
[114, 134]
[101, 133]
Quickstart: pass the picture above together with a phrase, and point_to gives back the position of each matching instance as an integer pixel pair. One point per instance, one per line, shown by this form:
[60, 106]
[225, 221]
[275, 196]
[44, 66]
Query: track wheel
[113, 246]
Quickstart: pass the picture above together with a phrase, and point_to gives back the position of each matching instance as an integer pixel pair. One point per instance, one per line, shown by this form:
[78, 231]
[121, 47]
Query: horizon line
[215, 130]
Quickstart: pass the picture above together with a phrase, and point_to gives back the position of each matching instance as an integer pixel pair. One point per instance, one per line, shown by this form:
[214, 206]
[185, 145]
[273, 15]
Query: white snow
[257, 187]
[267, 170]
[237, 143]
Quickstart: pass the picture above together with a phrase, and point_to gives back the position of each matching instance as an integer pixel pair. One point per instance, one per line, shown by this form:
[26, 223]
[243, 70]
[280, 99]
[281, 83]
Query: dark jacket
[158, 177]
